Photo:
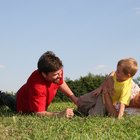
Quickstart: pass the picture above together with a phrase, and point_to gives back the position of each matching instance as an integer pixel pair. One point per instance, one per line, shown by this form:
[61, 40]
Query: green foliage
[30, 127]
[81, 86]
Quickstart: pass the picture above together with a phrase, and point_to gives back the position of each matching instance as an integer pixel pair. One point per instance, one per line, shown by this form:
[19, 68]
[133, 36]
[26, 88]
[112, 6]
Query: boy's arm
[65, 89]
[111, 109]
[121, 110]
[68, 113]
[109, 105]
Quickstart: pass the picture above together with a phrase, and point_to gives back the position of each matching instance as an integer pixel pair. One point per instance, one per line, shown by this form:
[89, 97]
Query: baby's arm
[121, 110]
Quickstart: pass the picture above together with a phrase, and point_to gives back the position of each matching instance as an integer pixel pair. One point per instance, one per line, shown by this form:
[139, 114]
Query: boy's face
[120, 76]
[54, 77]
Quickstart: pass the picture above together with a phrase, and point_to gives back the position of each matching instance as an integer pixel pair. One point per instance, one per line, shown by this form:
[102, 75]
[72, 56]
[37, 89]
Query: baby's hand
[97, 91]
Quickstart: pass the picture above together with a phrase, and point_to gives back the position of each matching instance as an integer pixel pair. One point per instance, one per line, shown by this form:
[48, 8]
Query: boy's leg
[8, 100]
[99, 108]
[85, 102]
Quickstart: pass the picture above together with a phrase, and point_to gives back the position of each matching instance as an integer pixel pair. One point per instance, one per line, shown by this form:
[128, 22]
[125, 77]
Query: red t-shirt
[36, 94]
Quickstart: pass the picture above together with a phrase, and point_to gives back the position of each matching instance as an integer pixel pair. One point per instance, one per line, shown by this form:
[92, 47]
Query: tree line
[84, 85]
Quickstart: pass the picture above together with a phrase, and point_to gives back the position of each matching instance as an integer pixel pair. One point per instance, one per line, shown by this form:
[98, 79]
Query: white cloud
[2, 66]
[100, 67]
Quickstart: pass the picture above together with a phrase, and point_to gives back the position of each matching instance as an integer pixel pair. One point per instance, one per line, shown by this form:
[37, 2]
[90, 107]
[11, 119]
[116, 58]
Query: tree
[81, 86]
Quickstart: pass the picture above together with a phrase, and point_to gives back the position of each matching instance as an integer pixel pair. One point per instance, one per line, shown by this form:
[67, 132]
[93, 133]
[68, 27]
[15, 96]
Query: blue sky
[88, 35]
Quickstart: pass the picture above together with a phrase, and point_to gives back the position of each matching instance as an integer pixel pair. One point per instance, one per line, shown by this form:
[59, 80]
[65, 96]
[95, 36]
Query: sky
[89, 36]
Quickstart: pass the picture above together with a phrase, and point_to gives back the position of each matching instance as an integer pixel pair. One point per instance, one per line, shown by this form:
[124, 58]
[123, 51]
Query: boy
[40, 89]
[116, 91]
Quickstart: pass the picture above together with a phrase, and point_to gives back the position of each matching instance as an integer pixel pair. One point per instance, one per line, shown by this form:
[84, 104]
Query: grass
[31, 127]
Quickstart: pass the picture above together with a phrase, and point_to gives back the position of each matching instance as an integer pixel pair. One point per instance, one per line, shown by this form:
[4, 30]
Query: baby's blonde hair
[129, 66]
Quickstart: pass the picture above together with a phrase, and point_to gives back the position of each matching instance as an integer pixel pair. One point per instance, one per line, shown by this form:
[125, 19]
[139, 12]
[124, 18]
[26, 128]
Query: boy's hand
[68, 113]
[97, 91]
[120, 116]
[121, 110]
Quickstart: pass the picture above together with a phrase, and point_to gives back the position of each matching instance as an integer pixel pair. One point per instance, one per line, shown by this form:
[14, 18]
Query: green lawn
[17, 127]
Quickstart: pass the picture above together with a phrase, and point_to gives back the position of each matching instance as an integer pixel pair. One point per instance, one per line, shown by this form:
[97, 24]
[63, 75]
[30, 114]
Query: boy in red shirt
[40, 89]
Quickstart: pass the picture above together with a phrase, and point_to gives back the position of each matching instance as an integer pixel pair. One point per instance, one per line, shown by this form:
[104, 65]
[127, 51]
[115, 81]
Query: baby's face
[120, 76]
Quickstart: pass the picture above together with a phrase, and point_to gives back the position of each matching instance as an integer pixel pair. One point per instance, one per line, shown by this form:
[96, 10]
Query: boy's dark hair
[49, 62]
